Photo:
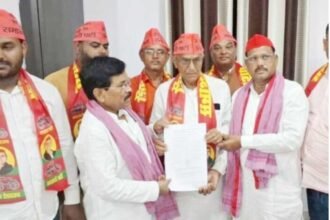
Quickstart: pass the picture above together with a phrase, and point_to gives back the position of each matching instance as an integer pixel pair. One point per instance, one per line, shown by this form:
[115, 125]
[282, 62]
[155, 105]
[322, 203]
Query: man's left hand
[212, 182]
[73, 212]
[230, 143]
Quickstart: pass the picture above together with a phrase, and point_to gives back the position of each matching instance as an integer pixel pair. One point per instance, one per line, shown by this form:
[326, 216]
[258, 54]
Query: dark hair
[98, 73]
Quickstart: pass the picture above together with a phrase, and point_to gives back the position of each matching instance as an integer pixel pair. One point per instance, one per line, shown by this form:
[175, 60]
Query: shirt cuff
[155, 193]
[72, 195]
[246, 141]
[221, 163]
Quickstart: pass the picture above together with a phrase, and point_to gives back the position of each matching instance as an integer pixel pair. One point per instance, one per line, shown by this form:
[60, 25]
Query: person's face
[223, 53]
[326, 45]
[189, 67]
[117, 96]
[87, 50]
[3, 159]
[261, 63]
[154, 58]
[12, 53]
[48, 145]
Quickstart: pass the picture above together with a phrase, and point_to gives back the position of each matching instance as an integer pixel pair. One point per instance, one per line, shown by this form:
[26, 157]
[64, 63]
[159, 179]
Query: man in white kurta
[281, 197]
[38, 203]
[194, 205]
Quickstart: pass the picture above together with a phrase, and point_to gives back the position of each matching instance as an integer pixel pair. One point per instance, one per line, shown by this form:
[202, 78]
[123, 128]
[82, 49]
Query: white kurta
[109, 189]
[281, 200]
[192, 205]
[39, 204]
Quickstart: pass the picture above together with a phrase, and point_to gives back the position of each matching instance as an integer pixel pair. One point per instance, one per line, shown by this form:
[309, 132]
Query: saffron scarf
[206, 114]
[243, 75]
[139, 101]
[315, 79]
[262, 164]
[53, 170]
[140, 168]
[76, 100]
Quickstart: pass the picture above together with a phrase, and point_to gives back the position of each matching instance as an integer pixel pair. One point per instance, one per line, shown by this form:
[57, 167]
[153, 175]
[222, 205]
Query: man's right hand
[163, 185]
[160, 146]
[160, 125]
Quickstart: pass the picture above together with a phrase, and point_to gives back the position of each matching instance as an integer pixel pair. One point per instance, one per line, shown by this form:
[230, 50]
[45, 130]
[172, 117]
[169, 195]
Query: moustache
[128, 96]
[2, 62]
[261, 68]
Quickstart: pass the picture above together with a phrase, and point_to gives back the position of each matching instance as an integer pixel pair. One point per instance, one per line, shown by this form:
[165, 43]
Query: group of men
[111, 127]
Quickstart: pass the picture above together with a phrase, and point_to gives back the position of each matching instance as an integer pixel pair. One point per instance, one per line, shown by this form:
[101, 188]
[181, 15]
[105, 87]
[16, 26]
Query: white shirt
[192, 205]
[282, 198]
[110, 191]
[39, 204]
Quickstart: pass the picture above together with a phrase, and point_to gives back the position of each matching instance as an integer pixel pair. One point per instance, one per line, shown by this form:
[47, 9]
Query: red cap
[9, 27]
[188, 43]
[219, 34]
[153, 37]
[91, 31]
[256, 41]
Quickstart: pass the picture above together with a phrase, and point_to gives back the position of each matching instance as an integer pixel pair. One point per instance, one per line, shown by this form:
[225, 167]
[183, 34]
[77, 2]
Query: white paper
[186, 156]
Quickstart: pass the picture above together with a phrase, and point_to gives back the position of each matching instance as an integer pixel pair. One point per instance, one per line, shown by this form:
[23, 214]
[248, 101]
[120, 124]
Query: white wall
[126, 22]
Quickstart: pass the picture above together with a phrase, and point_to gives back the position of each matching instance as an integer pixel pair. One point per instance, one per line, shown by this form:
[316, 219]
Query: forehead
[224, 43]
[5, 40]
[260, 50]
[189, 56]
[155, 47]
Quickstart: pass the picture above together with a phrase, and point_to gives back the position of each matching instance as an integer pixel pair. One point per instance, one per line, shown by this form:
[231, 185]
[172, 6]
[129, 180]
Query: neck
[8, 84]
[156, 77]
[259, 86]
[224, 68]
[190, 85]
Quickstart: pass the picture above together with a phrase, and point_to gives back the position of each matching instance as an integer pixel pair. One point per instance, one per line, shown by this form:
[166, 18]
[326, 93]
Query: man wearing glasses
[154, 53]
[194, 97]
[269, 118]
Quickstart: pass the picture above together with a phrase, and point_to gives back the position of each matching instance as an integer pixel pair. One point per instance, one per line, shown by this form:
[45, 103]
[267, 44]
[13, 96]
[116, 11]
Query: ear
[99, 95]
[141, 54]
[175, 61]
[25, 48]
[276, 59]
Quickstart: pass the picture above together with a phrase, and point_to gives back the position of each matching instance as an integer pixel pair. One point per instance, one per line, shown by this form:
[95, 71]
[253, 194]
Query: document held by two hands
[186, 156]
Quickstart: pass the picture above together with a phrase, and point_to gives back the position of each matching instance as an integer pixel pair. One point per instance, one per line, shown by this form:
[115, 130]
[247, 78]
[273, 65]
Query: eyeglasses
[263, 57]
[122, 86]
[152, 52]
[186, 62]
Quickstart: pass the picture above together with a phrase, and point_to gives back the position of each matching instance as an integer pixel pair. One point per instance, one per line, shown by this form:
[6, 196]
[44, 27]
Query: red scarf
[206, 114]
[315, 79]
[76, 100]
[243, 75]
[53, 170]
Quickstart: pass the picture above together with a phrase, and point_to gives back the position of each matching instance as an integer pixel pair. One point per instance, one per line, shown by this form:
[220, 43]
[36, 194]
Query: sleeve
[159, 107]
[221, 161]
[292, 128]
[104, 168]
[58, 113]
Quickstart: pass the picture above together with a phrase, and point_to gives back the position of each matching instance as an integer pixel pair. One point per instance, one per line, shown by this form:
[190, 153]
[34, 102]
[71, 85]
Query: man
[49, 148]
[269, 118]
[154, 53]
[223, 55]
[316, 146]
[120, 172]
[5, 167]
[193, 97]
[90, 40]
[30, 110]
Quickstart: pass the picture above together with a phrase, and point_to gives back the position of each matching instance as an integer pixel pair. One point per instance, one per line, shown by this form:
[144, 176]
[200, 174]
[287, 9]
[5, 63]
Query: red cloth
[188, 43]
[220, 33]
[9, 27]
[152, 37]
[256, 41]
[91, 31]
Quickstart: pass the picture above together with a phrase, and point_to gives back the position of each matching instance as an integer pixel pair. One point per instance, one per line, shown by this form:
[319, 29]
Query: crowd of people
[96, 135]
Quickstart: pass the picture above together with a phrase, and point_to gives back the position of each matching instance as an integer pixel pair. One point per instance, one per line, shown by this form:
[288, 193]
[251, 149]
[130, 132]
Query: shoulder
[292, 87]
[58, 76]
[217, 84]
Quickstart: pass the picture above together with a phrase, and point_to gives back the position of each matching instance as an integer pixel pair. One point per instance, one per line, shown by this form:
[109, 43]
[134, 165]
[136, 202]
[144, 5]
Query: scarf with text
[262, 164]
[53, 169]
[76, 100]
[315, 79]
[206, 114]
[165, 208]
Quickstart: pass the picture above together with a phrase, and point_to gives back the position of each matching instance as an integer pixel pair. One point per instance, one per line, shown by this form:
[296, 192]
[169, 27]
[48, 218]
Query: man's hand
[160, 125]
[163, 185]
[213, 136]
[230, 143]
[212, 182]
[73, 212]
[160, 146]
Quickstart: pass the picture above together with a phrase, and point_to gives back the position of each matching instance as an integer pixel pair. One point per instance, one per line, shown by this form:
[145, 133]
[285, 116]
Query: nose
[103, 51]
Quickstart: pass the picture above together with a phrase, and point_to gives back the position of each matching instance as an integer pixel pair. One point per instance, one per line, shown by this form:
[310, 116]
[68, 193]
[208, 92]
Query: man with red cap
[269, 118]
[90, 40]
[223, 55]
[31, 112]
[315, 153]
[154, 53]
[193, 97]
